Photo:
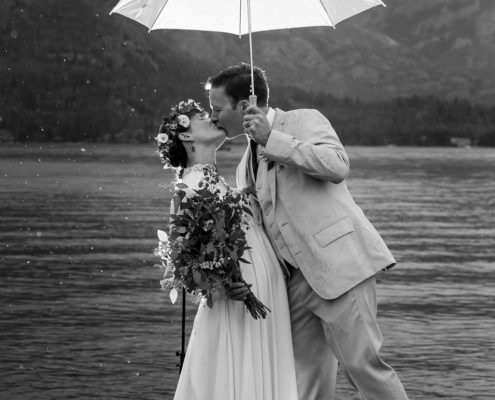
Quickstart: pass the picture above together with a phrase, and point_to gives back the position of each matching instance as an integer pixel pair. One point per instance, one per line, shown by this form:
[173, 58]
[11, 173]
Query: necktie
[254, 157]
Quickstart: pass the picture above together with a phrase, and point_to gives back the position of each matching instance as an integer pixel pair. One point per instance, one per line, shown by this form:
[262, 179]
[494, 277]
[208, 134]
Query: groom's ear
[242, 106]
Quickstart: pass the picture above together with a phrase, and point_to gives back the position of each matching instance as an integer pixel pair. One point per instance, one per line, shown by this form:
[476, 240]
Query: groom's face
[223, 115]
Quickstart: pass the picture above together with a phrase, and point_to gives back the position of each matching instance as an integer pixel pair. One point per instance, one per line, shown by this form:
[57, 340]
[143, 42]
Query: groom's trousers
[347, 328]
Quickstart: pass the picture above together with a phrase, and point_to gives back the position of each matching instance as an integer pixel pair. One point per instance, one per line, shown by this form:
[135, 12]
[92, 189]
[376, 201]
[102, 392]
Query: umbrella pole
[252, 98]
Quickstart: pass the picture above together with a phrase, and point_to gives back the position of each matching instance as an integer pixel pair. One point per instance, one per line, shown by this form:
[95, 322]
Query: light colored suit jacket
[327, 233]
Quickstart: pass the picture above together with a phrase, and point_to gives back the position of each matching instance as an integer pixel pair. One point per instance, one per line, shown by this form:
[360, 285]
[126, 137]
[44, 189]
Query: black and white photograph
[247, 199]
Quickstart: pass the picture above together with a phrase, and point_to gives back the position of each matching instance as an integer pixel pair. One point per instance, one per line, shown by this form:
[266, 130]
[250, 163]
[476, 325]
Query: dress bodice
[192, 177]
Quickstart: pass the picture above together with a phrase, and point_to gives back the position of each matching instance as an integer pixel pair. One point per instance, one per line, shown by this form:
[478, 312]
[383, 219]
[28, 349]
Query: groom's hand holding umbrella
[256, 125]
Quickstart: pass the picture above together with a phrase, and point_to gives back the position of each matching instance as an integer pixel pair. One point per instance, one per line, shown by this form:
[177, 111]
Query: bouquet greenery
[206, 241]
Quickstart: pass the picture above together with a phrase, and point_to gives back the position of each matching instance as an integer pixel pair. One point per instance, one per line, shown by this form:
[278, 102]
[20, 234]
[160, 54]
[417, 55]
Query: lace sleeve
[193, 179]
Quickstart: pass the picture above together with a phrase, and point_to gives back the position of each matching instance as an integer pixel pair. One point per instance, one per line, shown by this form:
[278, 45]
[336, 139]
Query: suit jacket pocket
[333, 232]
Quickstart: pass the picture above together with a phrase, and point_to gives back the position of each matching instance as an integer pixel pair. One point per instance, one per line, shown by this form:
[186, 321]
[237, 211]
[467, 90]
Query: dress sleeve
[192, 181]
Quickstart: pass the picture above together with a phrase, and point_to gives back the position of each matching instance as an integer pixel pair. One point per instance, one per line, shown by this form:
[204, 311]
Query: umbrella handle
[252, 100]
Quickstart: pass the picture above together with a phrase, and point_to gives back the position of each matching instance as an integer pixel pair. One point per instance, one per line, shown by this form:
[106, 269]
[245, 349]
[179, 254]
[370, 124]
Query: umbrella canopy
[240, 16]
[232, 16]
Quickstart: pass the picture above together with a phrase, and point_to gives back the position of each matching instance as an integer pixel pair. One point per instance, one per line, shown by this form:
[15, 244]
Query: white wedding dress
[230, 355]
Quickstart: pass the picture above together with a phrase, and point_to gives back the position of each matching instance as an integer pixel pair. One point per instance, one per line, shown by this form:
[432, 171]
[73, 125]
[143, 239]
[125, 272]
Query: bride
[230, 355]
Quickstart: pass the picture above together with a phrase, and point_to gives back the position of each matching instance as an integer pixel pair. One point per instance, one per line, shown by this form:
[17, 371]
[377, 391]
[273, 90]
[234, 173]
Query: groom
[322, 238]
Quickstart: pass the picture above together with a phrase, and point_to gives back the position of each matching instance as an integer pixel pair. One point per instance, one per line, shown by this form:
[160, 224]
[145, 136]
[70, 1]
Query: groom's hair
[237, 82]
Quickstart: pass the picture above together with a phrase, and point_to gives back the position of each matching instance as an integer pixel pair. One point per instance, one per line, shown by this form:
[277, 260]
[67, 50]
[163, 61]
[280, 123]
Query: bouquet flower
[206, 242]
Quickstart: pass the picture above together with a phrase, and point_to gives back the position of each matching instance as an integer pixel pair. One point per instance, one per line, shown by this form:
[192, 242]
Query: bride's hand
[237, 291]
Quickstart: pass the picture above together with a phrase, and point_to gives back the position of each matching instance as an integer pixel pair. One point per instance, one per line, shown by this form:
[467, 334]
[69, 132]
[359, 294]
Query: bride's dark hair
[174, 154]
[171, 149]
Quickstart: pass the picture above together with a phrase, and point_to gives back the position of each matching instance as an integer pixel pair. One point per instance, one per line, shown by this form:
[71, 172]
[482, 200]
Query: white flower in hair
[162, 138]
[183, 120]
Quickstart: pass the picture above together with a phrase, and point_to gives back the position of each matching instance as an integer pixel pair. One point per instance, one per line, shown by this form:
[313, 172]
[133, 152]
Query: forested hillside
[71, 72]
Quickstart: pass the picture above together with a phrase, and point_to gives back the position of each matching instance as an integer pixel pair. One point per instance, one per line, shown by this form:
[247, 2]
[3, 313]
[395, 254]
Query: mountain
[444, 48]
[70, 71]
[454, 37]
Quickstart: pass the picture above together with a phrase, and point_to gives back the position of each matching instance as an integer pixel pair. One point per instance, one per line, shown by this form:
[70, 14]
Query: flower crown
[178, 121]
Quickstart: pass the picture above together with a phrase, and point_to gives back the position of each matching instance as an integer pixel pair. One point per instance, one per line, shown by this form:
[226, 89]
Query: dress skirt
[232, 356]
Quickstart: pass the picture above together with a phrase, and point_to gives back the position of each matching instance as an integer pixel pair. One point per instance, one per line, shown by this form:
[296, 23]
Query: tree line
[404, 121]
[71, 74]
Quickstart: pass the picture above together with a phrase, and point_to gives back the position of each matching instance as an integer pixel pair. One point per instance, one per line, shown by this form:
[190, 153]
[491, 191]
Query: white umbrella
[234, 16]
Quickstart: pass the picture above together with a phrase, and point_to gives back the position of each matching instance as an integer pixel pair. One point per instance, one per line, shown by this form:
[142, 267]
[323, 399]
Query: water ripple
[82, 315]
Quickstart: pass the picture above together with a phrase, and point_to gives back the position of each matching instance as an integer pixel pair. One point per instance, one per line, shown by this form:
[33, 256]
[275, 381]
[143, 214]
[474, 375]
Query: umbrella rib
[328, 13]
[157, 16]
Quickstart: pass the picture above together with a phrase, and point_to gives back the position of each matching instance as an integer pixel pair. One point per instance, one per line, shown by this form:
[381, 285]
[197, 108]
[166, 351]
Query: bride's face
[203, 131]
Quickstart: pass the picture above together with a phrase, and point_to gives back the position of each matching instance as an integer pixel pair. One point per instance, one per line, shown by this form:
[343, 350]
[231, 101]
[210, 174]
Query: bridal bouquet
[206, 241]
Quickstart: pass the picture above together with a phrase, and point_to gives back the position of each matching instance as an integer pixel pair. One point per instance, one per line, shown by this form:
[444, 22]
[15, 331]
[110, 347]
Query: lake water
[82, 315]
